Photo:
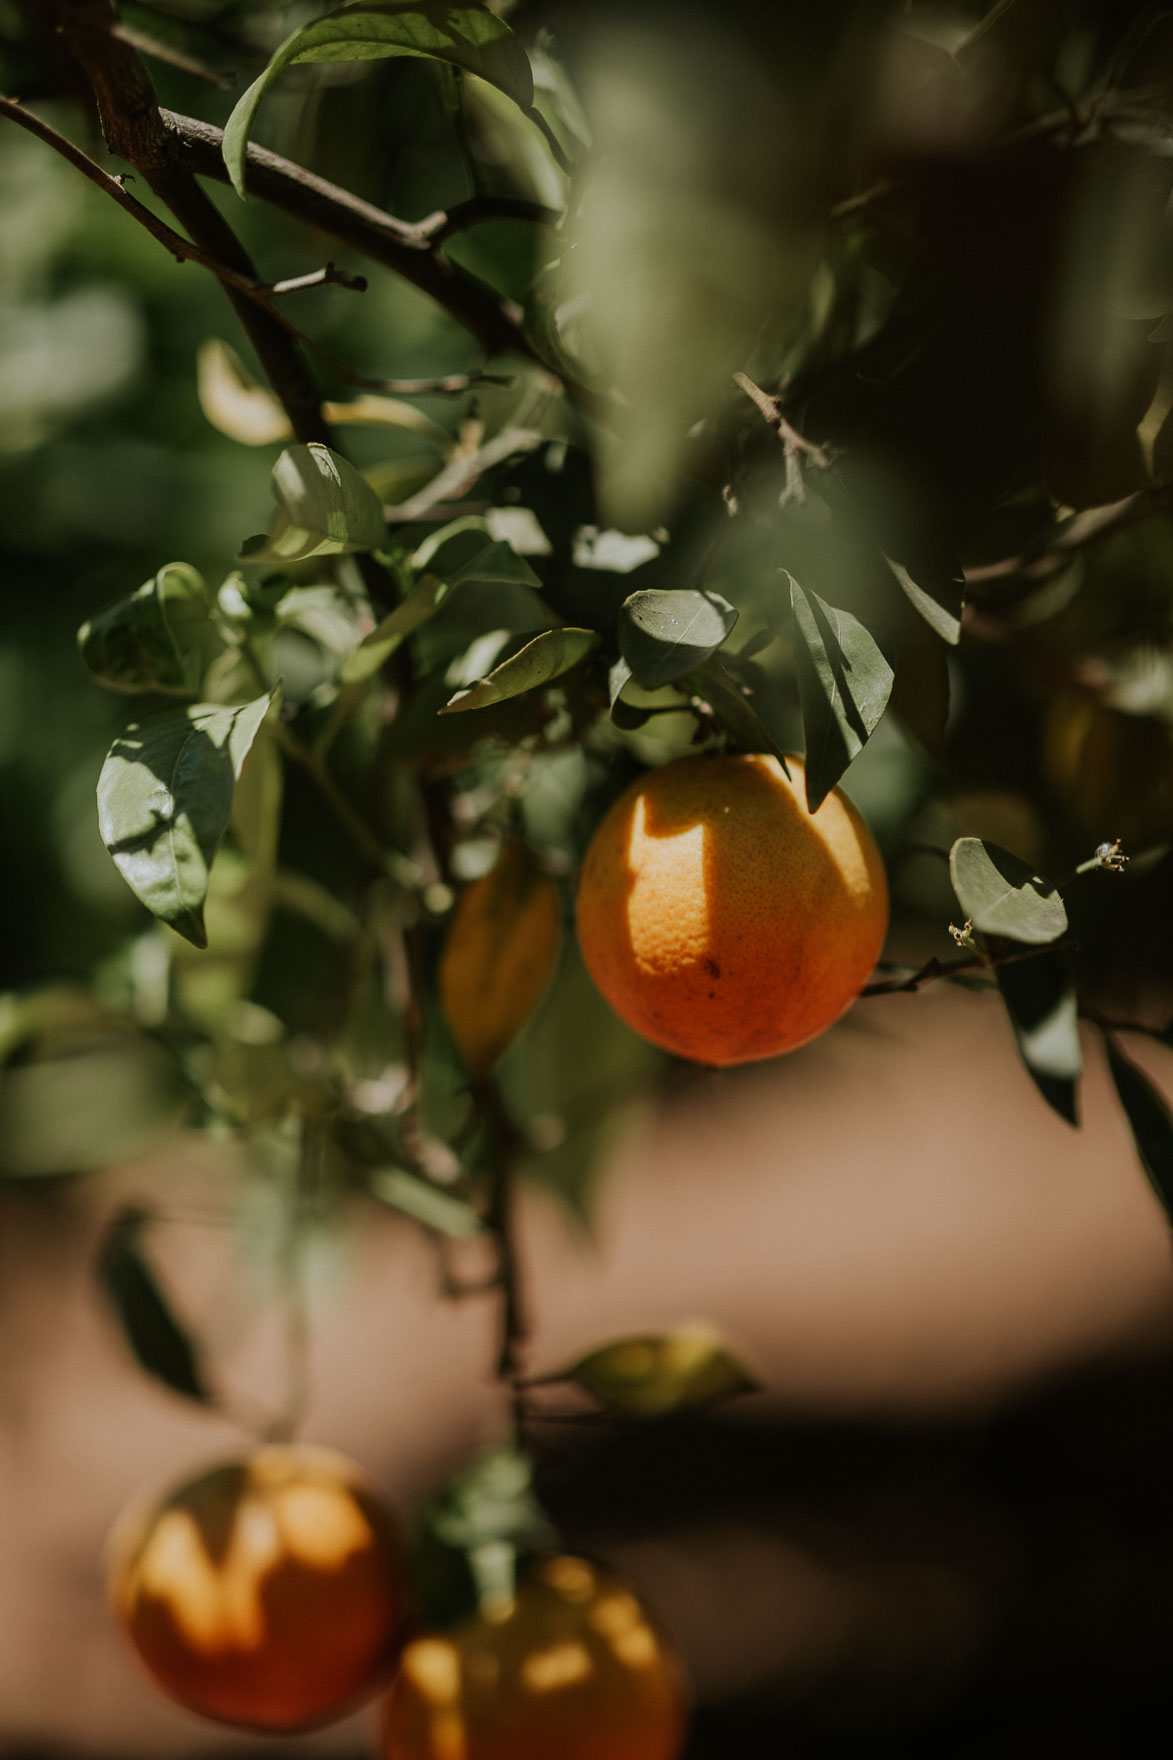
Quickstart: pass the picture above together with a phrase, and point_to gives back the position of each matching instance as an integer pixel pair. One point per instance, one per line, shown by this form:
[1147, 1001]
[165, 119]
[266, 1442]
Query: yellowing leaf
[232, 399]
[651, 1374]
[499, 956]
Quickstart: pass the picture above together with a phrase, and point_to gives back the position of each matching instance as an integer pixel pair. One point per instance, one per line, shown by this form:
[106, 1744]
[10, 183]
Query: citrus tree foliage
[583, 387]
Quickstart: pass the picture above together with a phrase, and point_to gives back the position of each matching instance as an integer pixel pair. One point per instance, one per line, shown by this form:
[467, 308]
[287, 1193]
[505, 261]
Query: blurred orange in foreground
[721, 918]
[268, 1592]
[572, 1667]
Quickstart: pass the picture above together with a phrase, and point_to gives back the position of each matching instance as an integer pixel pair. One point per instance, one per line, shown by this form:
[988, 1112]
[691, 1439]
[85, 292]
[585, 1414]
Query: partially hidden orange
[572, 1667]
[267, 1592]
[721, 918]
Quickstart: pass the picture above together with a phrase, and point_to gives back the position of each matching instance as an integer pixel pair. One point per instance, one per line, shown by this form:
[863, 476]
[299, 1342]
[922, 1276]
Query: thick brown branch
[134, 130]
[409, 251]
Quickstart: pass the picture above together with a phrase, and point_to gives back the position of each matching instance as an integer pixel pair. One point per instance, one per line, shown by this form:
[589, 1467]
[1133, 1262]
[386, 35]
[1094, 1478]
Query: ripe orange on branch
[268, 1592]
[721, 918]
[572, 1667]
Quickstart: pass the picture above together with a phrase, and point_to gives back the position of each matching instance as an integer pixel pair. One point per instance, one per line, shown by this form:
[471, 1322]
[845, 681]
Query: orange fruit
[572, 1667]
[499, 955]
[267, 1592]
[721, 918]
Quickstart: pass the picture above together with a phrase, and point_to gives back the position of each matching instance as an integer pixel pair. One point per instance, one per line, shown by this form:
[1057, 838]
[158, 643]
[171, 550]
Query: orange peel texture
[721, 918]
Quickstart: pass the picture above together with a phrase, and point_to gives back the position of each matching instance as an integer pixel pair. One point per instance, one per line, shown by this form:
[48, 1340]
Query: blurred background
[944, 231]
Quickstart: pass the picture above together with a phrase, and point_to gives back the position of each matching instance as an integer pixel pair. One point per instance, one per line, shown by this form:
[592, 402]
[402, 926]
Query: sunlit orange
[572, 1667]
[721, 918]
[268, 1592]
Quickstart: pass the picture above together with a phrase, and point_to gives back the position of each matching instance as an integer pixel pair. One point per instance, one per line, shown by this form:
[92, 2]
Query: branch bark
[134, 130]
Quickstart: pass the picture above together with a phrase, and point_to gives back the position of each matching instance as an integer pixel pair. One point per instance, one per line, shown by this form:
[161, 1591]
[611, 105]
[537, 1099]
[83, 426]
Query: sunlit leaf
[466, 554]
[651, 1374]
[844, 682]
[233, 401]
[663, 635]
[547, 657]
[1149, 1118]
[324, 507]
[164, 796]
[159, 1342]
[466, 36]
[1043, 1010]
[1001, 895]
[160, 638]
[500, 953]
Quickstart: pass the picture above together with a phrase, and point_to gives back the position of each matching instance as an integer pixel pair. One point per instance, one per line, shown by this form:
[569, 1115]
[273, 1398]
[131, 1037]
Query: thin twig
[935, 969]
[172, 57]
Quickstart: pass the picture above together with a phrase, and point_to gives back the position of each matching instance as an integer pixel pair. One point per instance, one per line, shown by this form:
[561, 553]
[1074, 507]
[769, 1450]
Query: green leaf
[424, 1202]
[1149, 1119]
[164, 796]
[1043, 1010]
[844, 683]
[1001, 895]
[652, 1374]
[383, 640]
[159, 1343]
[542, 660]
[664, 634]
[466, 554]
[159, 638]
[466, 36]
[735, 703]
[324, 507]
[492, 1500]
[88, 1105]
[937, 592]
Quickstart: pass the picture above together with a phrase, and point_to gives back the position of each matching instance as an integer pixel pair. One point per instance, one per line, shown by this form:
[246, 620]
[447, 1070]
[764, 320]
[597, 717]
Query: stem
[935, 969]
[500, 1218]
[291, 1414]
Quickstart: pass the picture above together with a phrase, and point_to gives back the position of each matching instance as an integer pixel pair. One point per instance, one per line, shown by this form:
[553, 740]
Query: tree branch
[411, 252]
[134, 130]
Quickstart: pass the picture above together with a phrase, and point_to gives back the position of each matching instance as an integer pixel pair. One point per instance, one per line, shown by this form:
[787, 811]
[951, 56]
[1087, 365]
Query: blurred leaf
[164, 796]
[1001, 895]
[159, 1343]
[233, 401]
[652, 1374]
[466, 36]
[921, 689]
[1044, 1013]
[499, 955]
[1149, 1118]
[80, 1108]
[492, 1500]
[844, 682]
[377, 648]
[324, 507]
[160, 638]
[663, 635]
[424, 1202]
[938, 593]
[542, 660]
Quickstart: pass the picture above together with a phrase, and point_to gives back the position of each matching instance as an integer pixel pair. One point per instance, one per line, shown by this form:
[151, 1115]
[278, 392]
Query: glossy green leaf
[652, 1374]
[735, 703]
[1044, 1013]
[1149, 1119]
[844, 683]
[424, 1202]
[1001, 895]
[466, 36]
[937, 590]
[547, 657]
[159, 1342]
[160, 638]
[164, 796]
[324, 508]
[663, 635]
